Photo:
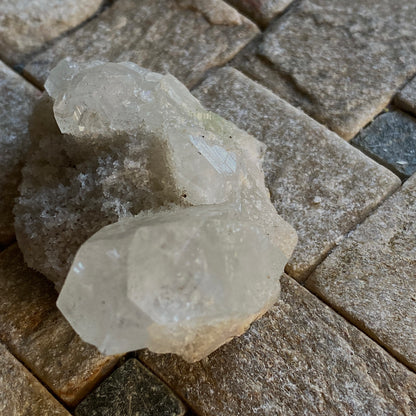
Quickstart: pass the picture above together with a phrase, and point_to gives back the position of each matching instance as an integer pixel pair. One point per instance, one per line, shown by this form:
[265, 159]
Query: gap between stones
[359, 325]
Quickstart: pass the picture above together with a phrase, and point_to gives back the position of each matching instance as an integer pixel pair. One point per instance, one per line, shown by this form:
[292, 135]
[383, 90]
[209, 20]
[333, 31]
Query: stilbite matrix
[159, 205]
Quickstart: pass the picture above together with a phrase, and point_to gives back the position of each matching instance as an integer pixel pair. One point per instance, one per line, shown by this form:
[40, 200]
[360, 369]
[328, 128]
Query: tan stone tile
[406, 98]
[25, 27]
[38, 335]
[371, 276]
[261, 11]
[16, 103]
[21, 394]
[300, 358]
[183, 37]
[340, 61]
[319, 183]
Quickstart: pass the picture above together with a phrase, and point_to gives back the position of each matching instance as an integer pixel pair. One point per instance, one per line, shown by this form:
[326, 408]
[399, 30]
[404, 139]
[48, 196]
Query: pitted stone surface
[262, 11]
[406, 98]
[318, 182]
[21, 394]
[38, 335]
[16, 103]
[371, 277]
[300, 358]
[183, 37]
[391, 140]
[340, 61]
[131, 390]
[25, 27]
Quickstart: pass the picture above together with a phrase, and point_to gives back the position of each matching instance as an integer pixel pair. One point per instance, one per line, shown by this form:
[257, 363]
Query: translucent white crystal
[184, 281]
[202, 258]
[100, 99]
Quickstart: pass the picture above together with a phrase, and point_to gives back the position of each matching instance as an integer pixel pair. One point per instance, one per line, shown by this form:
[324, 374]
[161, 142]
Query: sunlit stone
[195, 248]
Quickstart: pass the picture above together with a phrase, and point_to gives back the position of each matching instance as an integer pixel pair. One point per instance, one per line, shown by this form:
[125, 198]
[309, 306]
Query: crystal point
[154, 208]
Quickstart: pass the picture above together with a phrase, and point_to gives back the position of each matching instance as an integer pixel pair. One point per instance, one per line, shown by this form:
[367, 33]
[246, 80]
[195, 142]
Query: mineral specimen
[195, 248]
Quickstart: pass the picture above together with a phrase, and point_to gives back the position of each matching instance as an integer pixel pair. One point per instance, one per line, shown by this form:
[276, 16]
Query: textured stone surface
[131, 390]
[16, 102]
[318, 182]
[24, 27]
[262, 11]
[371, 277]
[340, 61]
[300, 358]
[20, 393]
[35, 331]
[183, 37]
[406, 98]
[391, 140]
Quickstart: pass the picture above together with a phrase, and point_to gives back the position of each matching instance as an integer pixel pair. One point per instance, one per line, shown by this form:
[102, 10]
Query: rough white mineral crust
[195, 248]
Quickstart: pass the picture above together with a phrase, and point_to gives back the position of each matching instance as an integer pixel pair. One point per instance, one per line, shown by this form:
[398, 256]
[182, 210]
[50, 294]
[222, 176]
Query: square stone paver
[21, 394]
[35, 331]
[131, 390]
[341, 61]
[318, 182]
[17, 97]
[371, 276]
[262, 11]
[391, 140]
[183, 37]
[26, 26]
[406, 98]
[301, 358]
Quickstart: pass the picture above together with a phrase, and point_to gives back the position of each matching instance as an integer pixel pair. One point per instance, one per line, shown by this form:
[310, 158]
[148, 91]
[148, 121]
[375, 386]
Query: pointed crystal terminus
[154, 208]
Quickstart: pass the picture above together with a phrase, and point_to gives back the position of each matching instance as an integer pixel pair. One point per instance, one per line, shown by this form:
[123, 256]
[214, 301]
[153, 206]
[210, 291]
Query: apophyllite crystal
[194, 249]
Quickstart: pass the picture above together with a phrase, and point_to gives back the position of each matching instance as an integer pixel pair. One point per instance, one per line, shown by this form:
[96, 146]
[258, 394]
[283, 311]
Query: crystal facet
[184, 281]
[194, 249]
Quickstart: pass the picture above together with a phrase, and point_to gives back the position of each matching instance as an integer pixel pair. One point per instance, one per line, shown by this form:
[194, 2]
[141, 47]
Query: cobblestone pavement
[327, 86]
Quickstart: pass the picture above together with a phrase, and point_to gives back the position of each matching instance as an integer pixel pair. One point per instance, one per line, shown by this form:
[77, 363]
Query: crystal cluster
[154, 208]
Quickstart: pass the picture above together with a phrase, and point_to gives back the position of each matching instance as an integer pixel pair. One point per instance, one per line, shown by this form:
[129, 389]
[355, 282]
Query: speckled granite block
[341, 61]
[34, 330]
[391, 140]
[131, 390]
[26, 26]
[183, 37]
[371, 277]
[319, 183]
[406, 98]
[261, 11]
[17, 97]
[21, 394]
[301, 358]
